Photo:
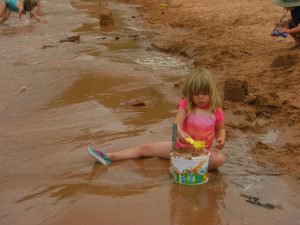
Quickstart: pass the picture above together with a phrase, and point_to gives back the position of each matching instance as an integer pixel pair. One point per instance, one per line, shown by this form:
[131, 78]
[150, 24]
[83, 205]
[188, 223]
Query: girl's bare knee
[220, 159]
[144, 150]
[217, 159]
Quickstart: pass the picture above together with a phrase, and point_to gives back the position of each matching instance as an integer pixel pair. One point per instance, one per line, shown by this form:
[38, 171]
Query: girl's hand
[220, 142]
[182, 136]
[220, 135]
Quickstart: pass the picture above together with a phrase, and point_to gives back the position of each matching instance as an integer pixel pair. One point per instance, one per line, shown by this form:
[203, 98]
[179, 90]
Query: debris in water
[256, 201]
[74, 38]
[134, 102]
[48, 46]
[22, 89]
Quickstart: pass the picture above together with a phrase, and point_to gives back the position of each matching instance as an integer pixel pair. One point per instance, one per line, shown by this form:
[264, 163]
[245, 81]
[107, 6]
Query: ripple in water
[162, 63]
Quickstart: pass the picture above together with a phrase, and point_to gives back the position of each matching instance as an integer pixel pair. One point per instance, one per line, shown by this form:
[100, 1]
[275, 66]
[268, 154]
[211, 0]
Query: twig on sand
[256, 201]
[260, 173]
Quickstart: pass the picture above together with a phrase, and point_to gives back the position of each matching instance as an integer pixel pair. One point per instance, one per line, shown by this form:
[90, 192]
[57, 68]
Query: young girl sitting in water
[19, 6]
[199, 117]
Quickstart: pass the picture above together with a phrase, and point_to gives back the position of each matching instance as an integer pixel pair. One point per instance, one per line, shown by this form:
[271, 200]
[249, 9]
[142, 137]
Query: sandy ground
[232, 38]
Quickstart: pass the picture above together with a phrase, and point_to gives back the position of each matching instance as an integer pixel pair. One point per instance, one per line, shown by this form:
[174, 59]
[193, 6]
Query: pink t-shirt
[200, 124]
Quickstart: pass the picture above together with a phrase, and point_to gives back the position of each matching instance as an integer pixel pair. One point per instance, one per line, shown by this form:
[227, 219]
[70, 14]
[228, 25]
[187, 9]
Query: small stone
[135, 102]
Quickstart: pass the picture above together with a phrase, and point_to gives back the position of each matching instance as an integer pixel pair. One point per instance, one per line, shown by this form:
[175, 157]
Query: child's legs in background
[4, 12]
[2, 8]
[158, 149]
[216, 160]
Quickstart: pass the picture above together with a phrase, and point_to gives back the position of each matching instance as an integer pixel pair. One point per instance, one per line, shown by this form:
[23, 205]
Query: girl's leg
[159, 149]
[216, 160]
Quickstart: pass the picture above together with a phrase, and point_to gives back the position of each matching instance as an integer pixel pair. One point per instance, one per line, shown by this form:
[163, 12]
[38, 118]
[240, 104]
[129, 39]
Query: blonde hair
[202, 81]
[29, 5]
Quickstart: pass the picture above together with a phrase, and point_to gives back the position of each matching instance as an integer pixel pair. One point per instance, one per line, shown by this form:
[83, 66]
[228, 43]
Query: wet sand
[58, 98]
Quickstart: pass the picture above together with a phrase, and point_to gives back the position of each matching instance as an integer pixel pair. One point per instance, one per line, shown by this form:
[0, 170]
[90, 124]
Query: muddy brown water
[58, 98]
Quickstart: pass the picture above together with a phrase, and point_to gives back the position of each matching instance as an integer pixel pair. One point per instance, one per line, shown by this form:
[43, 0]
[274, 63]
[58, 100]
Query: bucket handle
[174, 136]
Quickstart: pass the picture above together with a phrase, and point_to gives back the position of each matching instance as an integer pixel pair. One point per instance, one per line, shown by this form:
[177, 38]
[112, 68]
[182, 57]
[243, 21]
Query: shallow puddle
[270, 137]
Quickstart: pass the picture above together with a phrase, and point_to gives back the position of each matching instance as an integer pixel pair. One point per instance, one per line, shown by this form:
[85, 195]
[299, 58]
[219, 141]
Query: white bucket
[189, 171]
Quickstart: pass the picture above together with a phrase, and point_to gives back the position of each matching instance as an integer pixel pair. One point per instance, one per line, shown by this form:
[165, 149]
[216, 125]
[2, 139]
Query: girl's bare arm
[290, 31]
[180, 117]
[220, 135]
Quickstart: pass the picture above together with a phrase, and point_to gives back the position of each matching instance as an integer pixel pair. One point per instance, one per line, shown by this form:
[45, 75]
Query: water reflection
[111, 92]
[69, 191]
[139, 176]
[198, 204]
[13, 30]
